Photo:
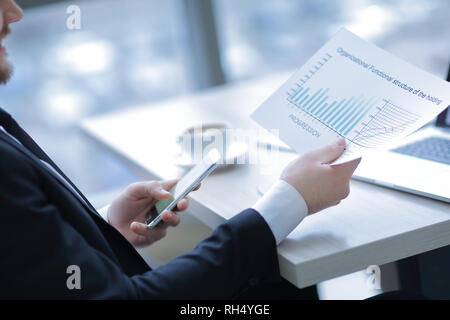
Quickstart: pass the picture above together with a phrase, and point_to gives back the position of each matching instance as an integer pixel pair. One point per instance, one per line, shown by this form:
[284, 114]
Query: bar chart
[354, 90]
[364, 120]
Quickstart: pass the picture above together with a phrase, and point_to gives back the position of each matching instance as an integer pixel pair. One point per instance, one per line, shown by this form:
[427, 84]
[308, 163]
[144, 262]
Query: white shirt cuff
[283, 208]
[104, 213]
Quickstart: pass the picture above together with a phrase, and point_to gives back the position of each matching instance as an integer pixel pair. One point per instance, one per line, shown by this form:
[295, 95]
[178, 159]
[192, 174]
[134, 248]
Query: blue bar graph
[342, 115]
[334, 124]
[310, 99]
[339, 111]
[324, 108]
[360, 117]
[351, 123]
[302, 94]
[296, 93]
[301, 101]
[317, 99]
[331, 111]
[318, 105]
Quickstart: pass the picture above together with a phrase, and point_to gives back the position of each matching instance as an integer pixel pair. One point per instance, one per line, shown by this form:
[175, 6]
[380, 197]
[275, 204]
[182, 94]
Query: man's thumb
[330, 152]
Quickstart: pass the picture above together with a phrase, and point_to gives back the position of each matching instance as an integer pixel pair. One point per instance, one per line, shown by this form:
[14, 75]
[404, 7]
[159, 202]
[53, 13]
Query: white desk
[374, 225]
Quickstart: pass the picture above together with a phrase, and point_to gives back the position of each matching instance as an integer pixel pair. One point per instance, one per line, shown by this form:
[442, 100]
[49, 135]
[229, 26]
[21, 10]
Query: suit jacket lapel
[130, 260]
[30, 147]
[31, 155]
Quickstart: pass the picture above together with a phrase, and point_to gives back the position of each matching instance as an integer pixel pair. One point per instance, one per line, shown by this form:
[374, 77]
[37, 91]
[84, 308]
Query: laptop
[418, 164]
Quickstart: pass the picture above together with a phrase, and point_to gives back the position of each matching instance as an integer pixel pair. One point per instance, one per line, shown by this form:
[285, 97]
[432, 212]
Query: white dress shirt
[282, 206]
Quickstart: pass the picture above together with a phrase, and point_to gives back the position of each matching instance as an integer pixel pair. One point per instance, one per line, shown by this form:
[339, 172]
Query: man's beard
[5, 67]
[5, 71]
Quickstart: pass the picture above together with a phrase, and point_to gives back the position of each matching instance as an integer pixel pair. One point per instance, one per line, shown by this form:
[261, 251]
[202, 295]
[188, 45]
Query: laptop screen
[443, 119]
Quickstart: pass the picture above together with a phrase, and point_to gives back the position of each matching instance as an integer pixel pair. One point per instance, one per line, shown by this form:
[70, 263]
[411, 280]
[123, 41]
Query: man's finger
[197, 187]
[170, 218]
[168, 184]
[348, 168]
[147, 189]
[328, 153]
[155, 233]
[182, 205]
[140, 228]
[137, 190]
[156, 190]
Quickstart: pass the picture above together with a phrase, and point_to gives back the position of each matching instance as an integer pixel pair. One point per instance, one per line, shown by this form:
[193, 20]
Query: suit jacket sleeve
[38, 246]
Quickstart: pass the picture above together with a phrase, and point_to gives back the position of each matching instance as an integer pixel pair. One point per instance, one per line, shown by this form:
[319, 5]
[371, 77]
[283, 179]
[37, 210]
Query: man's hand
[127, 213]
[320, 184]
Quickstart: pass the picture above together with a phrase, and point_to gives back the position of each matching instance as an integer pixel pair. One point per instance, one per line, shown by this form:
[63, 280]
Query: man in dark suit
[48, 227]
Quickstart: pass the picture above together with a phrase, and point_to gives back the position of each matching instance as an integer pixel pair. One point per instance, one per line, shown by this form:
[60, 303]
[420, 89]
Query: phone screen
[184, 186]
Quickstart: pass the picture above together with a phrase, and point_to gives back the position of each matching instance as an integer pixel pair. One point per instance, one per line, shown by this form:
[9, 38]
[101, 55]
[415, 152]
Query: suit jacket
[45, 229]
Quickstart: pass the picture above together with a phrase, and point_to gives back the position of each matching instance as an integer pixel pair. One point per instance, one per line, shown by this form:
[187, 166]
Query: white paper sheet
[355, 90]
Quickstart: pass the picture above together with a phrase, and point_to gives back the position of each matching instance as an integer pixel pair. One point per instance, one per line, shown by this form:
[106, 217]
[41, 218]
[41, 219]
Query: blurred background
[140, 51]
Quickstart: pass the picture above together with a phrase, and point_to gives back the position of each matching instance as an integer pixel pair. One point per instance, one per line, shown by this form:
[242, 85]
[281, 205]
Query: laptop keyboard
[432, 148]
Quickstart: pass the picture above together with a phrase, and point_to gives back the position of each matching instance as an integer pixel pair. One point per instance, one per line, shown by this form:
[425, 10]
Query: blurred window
[263, 36]
[126, 53]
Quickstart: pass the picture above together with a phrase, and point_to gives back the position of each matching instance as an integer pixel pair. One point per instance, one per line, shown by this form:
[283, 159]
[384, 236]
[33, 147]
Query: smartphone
[183, 187]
